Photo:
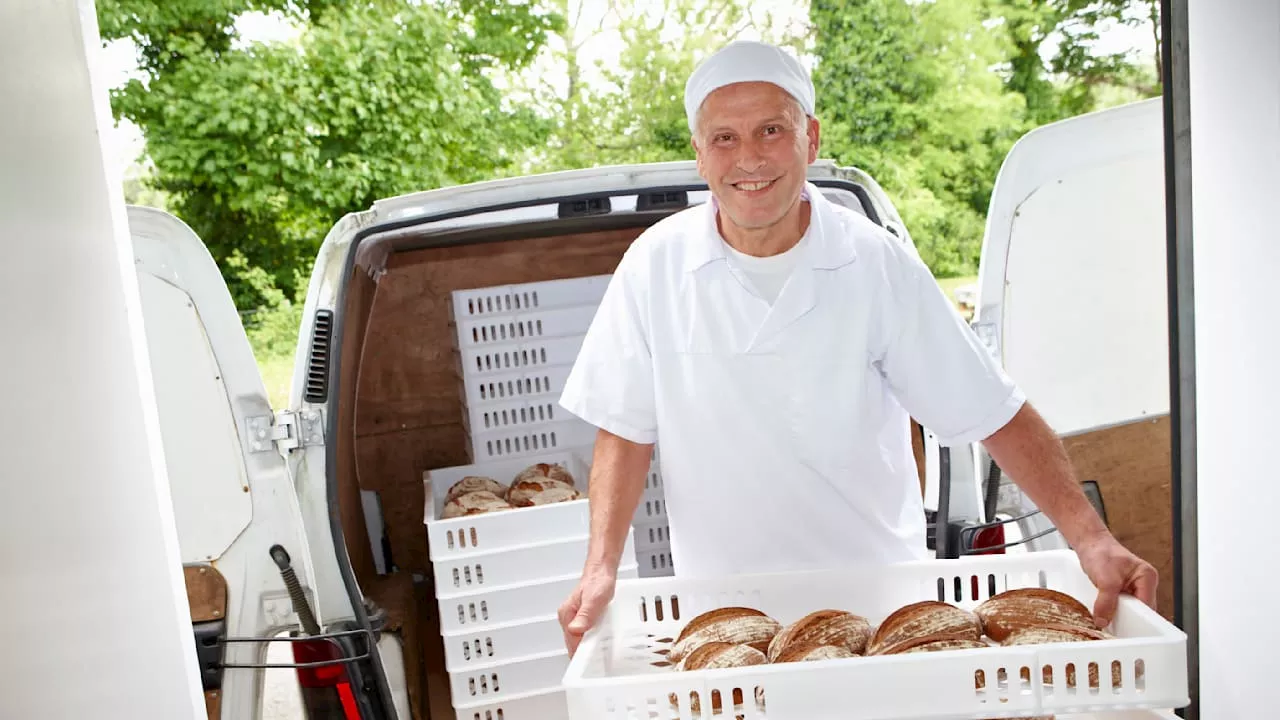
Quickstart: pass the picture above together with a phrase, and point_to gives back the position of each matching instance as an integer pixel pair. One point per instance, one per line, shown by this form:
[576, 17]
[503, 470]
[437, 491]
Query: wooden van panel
[206, 592]
[1132, 465]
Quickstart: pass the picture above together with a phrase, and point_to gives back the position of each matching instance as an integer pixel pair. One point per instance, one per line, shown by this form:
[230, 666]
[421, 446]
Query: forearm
[618, 470]
[1031, 454]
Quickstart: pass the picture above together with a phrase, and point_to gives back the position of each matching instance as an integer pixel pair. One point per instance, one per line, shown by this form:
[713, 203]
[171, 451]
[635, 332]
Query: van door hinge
[285, 430]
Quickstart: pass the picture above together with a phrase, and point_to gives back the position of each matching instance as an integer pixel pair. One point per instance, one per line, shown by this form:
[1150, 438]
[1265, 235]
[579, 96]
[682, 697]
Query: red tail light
[326, 689]
[989, 541]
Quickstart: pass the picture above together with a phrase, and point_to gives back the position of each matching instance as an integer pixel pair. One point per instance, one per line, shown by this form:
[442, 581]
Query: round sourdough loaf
[474, 503]
[472, 483]
[824, 627]
[547, 497]
[713, 656]
[522, 491]
[811, 651]
[927, 619]
[1012, 610]
[555, 471]
[733, 625]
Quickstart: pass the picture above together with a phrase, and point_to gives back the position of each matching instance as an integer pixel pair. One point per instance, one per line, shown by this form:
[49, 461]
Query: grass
[277, 375]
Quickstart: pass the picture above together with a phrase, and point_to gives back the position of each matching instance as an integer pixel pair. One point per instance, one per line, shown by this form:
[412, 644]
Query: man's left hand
[1115, 571]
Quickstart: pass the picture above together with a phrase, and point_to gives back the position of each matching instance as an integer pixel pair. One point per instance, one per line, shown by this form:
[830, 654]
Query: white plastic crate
[517, 357]
[513, 414]
[476, 303]
[616, 673]
[531, 440]
[651, 536]
[650, 510]
[503, 642]
[496, 681]
[514, 603]
[507, 528]
[534, 384]
[655, 562]
[526, 706]
[468, 572]
[525, 326]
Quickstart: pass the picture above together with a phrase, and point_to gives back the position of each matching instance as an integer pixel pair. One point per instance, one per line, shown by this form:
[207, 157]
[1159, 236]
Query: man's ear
[815, 135]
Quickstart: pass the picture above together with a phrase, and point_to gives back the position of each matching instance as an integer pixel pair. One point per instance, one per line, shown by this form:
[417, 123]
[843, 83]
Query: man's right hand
[580, 612]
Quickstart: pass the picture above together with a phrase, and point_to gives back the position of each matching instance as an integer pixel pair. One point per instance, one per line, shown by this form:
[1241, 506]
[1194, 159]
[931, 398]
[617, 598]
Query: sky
[125, 144]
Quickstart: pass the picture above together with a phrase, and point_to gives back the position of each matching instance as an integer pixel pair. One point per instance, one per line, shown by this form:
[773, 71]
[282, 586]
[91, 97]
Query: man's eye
[723, 138]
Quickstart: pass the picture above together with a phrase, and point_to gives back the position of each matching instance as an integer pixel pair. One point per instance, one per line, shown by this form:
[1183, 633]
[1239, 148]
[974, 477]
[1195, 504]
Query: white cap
[747, 61]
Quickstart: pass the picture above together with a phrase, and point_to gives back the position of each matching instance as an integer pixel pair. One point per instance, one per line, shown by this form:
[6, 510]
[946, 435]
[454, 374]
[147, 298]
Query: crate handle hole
[1095, 678]
[1140, 675]
[657, 609]
[488, 644]
[495, 682]
[1002, 679]
[675, 609]
[474, 541]
[1071, 678]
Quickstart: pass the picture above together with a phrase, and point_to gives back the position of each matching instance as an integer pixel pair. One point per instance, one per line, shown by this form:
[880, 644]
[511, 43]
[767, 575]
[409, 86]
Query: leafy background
[261, 145]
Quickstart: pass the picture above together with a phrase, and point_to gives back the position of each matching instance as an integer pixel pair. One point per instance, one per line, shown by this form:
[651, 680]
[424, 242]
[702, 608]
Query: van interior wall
[408, 412]
[1131, 462]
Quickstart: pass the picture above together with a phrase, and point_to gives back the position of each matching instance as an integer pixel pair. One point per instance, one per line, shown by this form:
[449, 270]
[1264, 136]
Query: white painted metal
[202, 450]
[1235, 140]
[1072, 279]
[95, 616]
[190, 318]
[1073, 268]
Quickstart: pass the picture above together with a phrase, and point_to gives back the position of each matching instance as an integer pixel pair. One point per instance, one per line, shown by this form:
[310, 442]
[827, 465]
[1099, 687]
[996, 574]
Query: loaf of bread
[546, 497]
[712, 656]
[810, 651]
[927, 619]
[733, 625]
[1013, 610]
[837, 628]
[474, 503]
[555, 471]
[1050, 633]
[522, 491]
[472, 483]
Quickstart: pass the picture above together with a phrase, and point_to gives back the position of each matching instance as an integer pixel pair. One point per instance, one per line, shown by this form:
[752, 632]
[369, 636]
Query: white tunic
[783, 427]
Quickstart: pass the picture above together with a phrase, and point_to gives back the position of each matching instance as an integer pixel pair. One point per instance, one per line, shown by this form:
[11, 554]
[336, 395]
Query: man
[775, 346]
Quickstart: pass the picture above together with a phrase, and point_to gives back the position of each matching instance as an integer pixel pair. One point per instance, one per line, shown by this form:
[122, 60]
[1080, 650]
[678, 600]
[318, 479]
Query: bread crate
[468, 612]
[541, 383]
[518, 356]
[508, 528]
[531, 440]
[619, 671]
[496, 681]
[512, 414]
[467, 572]
[655, 561]
[525, 326]
[525, 706]
[650, 536]
[650, 510]
[503, 642]
[466, 305]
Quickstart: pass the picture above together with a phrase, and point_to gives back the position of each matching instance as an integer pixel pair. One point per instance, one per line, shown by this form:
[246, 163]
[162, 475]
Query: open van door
[1073, 300]
[247, 562]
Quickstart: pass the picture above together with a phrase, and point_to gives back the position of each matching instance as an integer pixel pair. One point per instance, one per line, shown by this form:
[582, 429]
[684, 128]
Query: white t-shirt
[767, 275]
[783, 428]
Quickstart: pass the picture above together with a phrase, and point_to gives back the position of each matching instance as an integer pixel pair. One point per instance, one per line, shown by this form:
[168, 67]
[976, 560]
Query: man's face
[753, 144]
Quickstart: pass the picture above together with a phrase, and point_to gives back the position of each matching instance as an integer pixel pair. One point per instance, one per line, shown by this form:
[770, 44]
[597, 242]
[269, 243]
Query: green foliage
[906, 92]
[262, 148]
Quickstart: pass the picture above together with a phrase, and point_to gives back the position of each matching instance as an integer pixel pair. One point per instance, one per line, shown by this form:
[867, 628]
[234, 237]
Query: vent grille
[317, 390]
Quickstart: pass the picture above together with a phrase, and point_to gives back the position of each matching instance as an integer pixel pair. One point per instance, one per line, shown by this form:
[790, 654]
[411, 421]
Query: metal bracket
[209, 643]
[331, 637]
[286, 430]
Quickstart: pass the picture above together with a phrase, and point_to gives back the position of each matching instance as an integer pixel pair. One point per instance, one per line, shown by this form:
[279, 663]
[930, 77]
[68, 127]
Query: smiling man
[775, 346]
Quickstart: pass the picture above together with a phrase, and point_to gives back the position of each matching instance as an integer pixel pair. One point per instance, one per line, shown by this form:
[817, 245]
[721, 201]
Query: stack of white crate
[499, 579]
[515, 347]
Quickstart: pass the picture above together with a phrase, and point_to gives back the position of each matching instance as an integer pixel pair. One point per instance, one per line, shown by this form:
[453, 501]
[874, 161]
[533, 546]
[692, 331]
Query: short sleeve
[611, 385]
[934, 364]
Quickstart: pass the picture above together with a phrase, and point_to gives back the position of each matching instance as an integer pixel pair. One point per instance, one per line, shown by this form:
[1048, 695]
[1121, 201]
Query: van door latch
[285, 430]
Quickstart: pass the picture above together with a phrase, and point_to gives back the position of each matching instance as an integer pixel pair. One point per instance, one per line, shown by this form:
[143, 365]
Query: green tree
[261, 148]
[906, 91]
[1055, 63]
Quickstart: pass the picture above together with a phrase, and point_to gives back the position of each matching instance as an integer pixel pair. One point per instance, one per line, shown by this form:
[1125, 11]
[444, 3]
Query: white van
[309, 519]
